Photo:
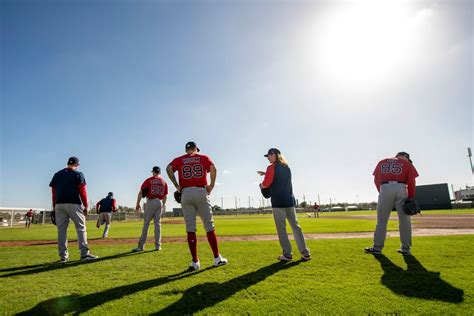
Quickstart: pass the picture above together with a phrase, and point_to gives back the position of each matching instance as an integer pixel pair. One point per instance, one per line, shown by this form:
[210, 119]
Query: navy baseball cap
[73, 161]
[272, 151]
[191, 145]
[404, 154]
[111, 194]
[156, 169]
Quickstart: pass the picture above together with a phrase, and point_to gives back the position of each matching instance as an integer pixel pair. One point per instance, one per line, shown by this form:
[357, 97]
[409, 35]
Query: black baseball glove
[53, 217]
[411, 207]
[177, 196]
[266, 192]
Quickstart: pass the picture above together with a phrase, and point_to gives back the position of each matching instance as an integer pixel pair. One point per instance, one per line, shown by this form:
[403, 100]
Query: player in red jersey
[395, 181]
[28, 218]
[192, 171]
[155, 189]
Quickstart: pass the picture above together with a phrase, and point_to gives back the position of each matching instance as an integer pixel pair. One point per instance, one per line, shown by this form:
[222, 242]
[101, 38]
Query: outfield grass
[340, 279]
[225, 226]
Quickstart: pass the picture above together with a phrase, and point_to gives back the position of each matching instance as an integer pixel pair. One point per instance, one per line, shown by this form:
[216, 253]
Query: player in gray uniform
[68, 188]
[192, 171]
[394, 178]
[104, 208]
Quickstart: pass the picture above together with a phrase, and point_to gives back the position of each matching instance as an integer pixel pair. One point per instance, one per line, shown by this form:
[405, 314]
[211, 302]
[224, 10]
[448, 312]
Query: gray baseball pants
[152, 210]
[64, 212]
[194, 200]
[281, 215]
[392, 195]
[105, 218]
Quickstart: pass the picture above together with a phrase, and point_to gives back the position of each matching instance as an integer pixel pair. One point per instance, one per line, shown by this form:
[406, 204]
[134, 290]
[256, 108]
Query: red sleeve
[175, 164]
[53, 191]
[377, 177]
[208, 164]
[114, 205]
[97, 206]
[411, 182]
[83, 193]
[144, 184]
[269, 174]
[166, 188]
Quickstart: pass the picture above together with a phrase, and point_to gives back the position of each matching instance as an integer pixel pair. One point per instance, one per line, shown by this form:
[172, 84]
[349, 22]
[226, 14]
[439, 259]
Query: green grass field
[340, 279]
[225, 225]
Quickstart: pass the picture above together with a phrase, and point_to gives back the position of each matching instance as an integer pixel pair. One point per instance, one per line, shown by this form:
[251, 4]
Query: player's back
[393, 169]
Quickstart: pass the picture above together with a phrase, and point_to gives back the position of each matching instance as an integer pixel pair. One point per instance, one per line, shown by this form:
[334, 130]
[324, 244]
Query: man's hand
[178, 188]
[84, 210]
[262, 173]
[209, 189]
[138, 208]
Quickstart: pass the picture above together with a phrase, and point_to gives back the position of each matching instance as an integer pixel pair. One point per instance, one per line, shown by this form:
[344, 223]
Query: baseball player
[28, 218]
[155, 190]
[104, 208]
[192, 171]
[278, 179]
[395, 181]
[69, 193]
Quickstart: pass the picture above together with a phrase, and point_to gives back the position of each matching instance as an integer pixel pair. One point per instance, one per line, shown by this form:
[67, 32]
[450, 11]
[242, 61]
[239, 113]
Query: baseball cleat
[157, 248]
[64, 259]
[220, 261]
[285, 258]
[404, 252]
[89, 257]
[372, 250]
[195, 266]
[137, 249]
[306, 257]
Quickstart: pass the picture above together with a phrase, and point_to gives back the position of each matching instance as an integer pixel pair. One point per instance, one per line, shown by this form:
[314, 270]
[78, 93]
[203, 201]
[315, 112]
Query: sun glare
[361, 43]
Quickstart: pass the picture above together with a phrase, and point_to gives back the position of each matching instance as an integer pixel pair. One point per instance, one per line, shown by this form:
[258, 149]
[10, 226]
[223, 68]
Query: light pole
[469, 154]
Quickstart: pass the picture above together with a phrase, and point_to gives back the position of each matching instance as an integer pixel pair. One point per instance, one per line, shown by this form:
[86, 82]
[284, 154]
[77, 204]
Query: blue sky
[337, 86]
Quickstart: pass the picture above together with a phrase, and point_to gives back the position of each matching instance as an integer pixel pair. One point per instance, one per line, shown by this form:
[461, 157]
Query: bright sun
[362, 43]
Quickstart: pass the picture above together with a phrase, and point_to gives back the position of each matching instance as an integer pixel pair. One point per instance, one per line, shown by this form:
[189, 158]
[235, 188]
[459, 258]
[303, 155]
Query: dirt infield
[426, 225]
[116, 241]
[461, 221]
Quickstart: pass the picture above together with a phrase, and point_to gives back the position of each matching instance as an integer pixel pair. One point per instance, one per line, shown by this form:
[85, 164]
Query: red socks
[212, 238]
[192, 243]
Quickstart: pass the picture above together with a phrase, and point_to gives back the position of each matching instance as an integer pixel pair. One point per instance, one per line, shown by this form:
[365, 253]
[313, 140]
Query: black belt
[392, 182]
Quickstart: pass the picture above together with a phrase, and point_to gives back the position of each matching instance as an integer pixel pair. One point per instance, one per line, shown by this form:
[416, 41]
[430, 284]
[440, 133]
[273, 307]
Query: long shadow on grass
[76, 303]
[417, 281]
[45, 267]
[208, 294]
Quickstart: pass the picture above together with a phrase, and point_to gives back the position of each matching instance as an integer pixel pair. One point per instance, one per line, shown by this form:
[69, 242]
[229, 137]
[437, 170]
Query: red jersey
[30, 213]
[156, 187]
[394, 169]
[192, 169]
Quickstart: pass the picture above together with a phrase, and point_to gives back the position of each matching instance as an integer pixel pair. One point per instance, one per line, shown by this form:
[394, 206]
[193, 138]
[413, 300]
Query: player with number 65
[192, 171]
[394, 178]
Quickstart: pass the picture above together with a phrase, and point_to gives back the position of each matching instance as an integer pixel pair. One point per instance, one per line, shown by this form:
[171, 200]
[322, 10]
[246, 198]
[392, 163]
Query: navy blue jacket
[106, 205]
[281, 188]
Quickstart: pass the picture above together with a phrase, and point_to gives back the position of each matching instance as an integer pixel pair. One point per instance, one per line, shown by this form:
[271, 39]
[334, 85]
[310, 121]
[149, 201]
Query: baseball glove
[177, 196]
[53, 217]
[411, 207]
[266, 192]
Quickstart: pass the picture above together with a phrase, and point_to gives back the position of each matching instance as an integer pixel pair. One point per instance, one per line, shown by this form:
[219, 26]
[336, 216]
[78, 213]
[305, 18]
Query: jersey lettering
[194, 171]
[392, 167]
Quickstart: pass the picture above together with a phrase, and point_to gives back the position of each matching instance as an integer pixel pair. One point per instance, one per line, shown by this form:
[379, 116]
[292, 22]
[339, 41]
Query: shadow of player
[76, 303]
[417, 281]
[51, 266]
[208, 294]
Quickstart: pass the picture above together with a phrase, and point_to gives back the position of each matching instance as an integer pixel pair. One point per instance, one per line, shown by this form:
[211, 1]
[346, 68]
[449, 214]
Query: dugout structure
[433, 196]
